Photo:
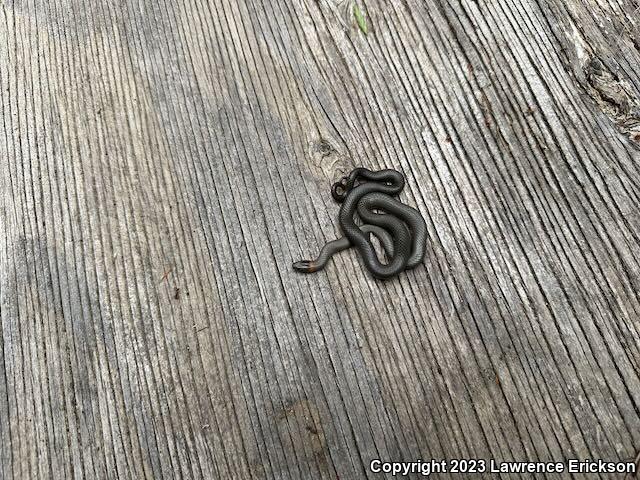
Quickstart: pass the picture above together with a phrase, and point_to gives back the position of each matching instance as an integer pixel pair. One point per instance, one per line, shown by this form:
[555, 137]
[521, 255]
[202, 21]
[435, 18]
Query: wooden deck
[164, 163]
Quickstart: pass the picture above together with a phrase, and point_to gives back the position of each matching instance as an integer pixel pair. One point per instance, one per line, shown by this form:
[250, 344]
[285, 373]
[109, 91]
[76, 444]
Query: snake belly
[399, 227]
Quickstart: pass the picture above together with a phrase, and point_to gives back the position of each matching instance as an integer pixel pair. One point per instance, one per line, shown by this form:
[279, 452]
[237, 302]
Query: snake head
[340, 189]
[305, 266]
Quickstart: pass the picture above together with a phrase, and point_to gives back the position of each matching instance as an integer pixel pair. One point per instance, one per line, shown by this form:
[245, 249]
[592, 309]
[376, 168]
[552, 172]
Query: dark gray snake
[400, 228]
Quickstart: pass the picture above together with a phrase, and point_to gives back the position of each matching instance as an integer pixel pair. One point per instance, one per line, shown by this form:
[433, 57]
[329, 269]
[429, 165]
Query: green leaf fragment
[362, 22]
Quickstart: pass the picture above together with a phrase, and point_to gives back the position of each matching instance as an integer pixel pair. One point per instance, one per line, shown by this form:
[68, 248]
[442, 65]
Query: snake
[401, 229]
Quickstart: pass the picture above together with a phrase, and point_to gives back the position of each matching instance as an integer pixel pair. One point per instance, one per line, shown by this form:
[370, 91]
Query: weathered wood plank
[167, 161]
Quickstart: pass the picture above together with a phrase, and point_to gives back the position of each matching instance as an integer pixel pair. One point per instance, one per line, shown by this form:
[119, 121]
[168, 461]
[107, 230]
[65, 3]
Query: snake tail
[340, 244]
[307, 266]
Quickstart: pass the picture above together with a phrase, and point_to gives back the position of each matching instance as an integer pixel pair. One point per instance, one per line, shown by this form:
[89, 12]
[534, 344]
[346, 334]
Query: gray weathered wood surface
[163, 163]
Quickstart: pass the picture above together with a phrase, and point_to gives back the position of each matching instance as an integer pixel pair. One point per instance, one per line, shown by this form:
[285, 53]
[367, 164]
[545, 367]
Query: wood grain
[165, 162]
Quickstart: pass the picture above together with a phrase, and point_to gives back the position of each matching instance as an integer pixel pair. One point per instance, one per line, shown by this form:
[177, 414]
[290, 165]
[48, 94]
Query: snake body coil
[400, 228]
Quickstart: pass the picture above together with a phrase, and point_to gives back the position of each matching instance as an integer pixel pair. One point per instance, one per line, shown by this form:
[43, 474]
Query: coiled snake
[401, 229]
